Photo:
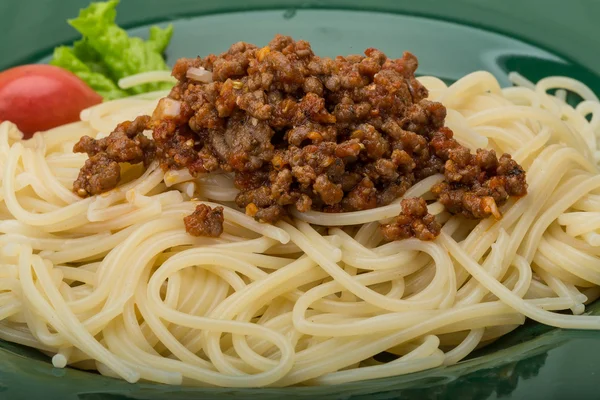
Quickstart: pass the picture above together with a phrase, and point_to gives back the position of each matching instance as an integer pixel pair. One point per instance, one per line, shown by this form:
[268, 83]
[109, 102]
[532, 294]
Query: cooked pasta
[114, 283]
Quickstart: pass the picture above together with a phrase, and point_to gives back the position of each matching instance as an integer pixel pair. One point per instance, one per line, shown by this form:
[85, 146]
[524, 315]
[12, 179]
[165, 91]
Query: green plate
[451, 39]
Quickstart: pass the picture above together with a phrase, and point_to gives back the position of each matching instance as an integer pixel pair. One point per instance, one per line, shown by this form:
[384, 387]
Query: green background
[554, 36]
[33, 27]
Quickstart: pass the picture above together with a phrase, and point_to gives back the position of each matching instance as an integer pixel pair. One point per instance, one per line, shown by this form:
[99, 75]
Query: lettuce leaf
[66, 58]
[90, 57]
[107, 53]
[160, 38]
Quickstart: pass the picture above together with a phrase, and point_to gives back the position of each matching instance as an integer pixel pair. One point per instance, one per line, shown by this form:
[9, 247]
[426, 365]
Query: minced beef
[413, 221]
[334, 135]
[101, 171]
[205, 221]
[98, 175]
[475, 184]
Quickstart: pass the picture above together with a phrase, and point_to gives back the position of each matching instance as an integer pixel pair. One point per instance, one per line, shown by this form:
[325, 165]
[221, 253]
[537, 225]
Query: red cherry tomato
[40, 97]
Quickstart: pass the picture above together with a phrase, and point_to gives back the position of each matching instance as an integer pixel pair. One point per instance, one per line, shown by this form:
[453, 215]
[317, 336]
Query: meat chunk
[329, 192]
[476, 185]
[126, 143]
[270, 214]
[516, 185]
[413, 221]
[245, 145]
[362, 197]
[205, 221]
[182, 66]
[98, 175]
[101, 172]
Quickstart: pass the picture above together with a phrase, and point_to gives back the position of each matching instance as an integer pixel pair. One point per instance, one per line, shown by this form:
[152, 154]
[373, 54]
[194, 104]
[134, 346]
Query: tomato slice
[39, 97]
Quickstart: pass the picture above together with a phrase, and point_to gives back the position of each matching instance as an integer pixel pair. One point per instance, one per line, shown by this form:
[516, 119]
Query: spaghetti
[114, 283]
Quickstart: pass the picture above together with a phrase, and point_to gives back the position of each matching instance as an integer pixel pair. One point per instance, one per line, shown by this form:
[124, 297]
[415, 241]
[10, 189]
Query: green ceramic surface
[451, 39]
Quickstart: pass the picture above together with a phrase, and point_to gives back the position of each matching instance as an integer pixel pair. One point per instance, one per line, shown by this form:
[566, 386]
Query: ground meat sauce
[413, 221]
[205, 221]
[333, 135]
[101, 172]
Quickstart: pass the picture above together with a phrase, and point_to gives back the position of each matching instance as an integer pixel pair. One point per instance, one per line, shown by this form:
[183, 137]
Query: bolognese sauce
[315, 133]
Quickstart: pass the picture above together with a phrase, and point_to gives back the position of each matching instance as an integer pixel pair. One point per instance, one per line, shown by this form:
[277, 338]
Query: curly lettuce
[106, 53]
